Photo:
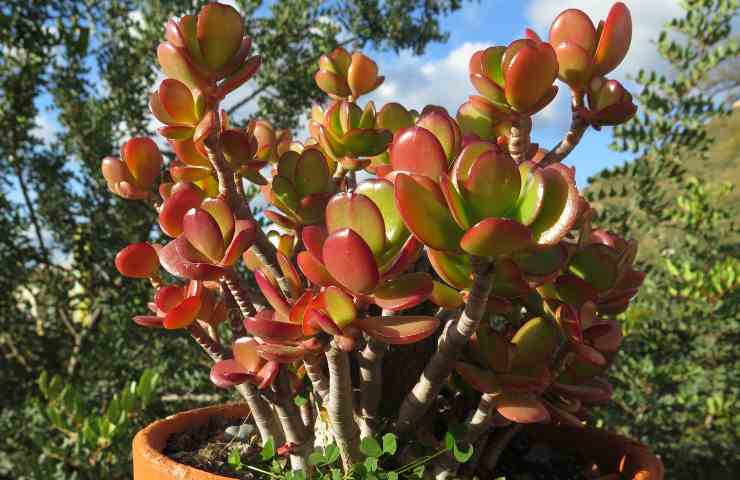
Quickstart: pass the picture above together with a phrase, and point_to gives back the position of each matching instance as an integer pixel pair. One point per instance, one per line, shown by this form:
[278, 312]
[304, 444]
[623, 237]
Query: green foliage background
[65, 313]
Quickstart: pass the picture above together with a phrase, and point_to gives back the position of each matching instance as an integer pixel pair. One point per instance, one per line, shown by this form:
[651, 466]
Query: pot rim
[612, 452]
[149, 461]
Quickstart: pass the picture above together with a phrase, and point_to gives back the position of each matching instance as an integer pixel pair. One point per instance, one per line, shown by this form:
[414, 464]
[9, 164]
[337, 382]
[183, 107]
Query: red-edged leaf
[496, 237]
[149, 321]
[339, 305]
[228, 373]
[183, 197]
[445, 297]
[203, 233]
[399, 330]
[267, 374]
[280, 353]
[521, 408]
[184, 314]
[403, 292]
[174, 262]
[314, 270]
[417, 150]
[349, 260]
[359, 213]
[272, 294]
[614, 41]
[138, 260]
[245, 352]
[319, 320]
[265, 325]
[424, 212]
[454, 269]
[143, 159]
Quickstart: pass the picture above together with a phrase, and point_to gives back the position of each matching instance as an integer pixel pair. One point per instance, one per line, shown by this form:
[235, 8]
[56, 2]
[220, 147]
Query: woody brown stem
[262, 248]
[521, 127]
[341, 408]
[578, 126]
[238, 295]
[454, 337]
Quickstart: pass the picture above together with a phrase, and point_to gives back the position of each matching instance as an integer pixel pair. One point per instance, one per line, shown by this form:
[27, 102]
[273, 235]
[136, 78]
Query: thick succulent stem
[214, 349]
[496, 446]
[521, 127]
[262, 248]
[263, 415]
[370, 360]
[453, 339]
[320, 382]
[296, 433]
[238, 295]
[341, 408]
[578, 126]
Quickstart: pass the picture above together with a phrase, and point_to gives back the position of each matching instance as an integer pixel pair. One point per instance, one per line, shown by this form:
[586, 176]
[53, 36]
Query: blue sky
[440, 76]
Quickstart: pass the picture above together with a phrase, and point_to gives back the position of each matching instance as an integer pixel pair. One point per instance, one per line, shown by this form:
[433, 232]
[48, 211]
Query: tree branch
[454, 337]
[370, 360]
[31, 210]
[320, 382]
[500, 439]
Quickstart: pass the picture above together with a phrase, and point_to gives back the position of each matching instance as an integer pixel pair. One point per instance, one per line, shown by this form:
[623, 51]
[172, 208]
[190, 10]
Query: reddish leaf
[265, 325]
[454, 269]
[219, 30]
[228, 373]
[203, 233]
[445, 297]
[267, 374]
[496, 237]
[272, 294]
[184, 196]
[614, 41]
[184, 314]
[138, 260]
[403, 292]
[425, 213]
[359, 213]
[349, 260]
[314, 270]
[245, 352]
[176, 264]
[521, 408]
[280, 353]
[143, 159]
[417, 150]
[399, 330]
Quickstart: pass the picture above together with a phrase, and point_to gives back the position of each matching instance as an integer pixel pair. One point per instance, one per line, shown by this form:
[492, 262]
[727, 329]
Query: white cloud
[415, 82]
[648, 18]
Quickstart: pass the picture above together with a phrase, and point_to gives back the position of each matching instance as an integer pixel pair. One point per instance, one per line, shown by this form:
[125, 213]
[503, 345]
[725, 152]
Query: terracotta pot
[151, 464]
[611, 452]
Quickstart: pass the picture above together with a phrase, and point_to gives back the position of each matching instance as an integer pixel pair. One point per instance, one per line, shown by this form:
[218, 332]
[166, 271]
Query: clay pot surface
[149, 461]
[611, 452]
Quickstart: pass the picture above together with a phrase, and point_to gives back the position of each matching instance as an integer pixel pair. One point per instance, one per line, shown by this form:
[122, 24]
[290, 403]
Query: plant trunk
[341, 408]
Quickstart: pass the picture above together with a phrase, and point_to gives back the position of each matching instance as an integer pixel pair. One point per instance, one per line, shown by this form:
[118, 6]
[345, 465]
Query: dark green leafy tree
[64, 309]
[678, 376]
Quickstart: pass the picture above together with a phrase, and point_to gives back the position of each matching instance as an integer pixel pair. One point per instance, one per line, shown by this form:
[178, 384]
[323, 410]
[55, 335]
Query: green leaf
[331, 453]
[371, 464]
[418, 472]
[268, 451]
[392, 476]
[370, 447]
[389, 443]
[235, 458]
[300, 400]
[316, 458]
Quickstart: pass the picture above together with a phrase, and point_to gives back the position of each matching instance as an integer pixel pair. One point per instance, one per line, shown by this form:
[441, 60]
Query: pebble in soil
[207, 447]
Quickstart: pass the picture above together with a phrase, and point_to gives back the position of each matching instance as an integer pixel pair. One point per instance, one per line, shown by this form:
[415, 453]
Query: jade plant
[462, 234]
